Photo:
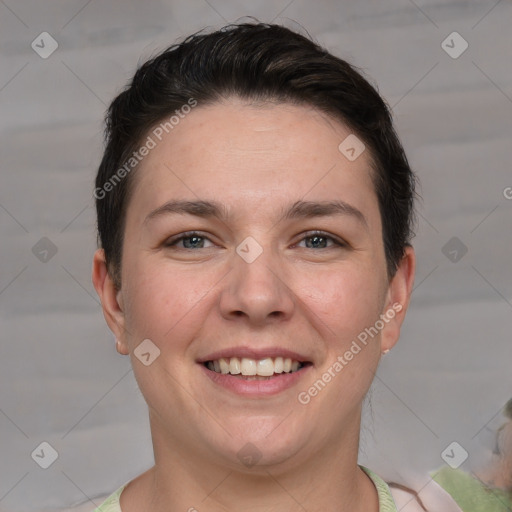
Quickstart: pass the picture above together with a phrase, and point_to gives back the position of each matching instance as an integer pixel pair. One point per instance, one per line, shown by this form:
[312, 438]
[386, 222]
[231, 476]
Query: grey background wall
[61, 381]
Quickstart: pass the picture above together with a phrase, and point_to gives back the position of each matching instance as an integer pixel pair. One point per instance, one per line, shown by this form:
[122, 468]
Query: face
[281, 258]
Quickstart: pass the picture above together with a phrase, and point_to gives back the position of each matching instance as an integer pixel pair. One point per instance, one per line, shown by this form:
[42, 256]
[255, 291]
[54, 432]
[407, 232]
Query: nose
[258, 292]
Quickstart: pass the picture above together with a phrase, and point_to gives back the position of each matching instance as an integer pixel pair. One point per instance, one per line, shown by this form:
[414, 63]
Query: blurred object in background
[489, 488]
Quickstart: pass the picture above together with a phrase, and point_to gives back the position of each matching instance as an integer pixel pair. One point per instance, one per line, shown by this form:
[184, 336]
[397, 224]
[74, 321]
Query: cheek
[161, 299]
[345, 301]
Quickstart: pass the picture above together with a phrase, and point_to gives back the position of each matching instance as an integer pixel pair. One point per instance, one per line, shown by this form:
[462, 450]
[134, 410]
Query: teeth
[234, 366]
[248, 366]
[265, 367]
[251, 367]
[224, 365]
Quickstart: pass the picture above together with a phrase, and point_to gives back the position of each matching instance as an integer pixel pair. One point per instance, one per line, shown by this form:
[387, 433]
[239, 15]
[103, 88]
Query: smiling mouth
[255, 369]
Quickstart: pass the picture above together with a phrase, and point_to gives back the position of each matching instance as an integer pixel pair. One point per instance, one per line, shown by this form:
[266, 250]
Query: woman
[254, 212]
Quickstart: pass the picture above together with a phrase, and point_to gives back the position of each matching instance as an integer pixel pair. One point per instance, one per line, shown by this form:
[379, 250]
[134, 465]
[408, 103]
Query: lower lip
[256, 388]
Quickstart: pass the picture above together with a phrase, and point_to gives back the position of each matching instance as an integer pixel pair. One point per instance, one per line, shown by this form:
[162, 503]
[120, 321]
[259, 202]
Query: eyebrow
[298, 210]
[182, 207]
[310, 209]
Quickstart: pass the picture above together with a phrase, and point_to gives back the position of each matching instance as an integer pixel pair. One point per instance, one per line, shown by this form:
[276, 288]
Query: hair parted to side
[256, 62]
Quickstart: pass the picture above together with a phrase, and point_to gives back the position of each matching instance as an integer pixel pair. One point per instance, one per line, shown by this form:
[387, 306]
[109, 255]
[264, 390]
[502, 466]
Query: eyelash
[311, 234]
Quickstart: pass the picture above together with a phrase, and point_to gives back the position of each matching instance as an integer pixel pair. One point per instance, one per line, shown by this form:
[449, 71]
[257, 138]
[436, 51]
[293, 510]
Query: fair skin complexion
[199, 296]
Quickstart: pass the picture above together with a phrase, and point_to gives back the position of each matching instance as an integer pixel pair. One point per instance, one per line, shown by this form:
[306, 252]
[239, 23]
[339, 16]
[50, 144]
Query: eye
[319, 240]
[191, 240]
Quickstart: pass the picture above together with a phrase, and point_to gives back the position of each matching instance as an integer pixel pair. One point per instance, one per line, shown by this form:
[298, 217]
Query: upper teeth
[245, 366]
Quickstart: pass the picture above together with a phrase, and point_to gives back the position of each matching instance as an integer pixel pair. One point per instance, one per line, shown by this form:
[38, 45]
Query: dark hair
[256, 62]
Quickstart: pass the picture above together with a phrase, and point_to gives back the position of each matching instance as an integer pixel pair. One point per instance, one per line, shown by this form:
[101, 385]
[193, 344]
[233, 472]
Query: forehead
[253, 156]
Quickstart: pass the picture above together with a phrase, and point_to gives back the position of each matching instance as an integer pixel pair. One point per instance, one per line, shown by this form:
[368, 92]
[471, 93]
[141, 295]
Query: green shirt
[386, 503]
[469, 493]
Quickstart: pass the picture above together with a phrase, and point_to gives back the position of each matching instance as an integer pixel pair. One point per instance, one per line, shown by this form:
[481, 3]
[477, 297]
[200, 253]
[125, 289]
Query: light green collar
[386, 502]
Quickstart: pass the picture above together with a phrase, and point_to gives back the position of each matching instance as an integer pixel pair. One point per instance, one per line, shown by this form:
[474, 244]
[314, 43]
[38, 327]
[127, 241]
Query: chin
[264, 446]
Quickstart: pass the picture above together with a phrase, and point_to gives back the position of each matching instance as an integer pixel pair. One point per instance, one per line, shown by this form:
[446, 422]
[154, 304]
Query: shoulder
[109, 503]
[406, 498]
[431, 498]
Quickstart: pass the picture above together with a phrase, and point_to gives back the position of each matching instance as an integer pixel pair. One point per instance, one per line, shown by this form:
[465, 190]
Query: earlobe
[398, 298]
[111, 300]
[122, 349]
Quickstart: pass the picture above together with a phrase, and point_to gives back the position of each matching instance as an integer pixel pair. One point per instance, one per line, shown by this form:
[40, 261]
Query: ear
[398, 298]
[111, 300]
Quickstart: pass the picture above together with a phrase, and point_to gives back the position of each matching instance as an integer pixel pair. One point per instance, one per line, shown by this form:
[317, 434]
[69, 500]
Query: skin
[255, 160]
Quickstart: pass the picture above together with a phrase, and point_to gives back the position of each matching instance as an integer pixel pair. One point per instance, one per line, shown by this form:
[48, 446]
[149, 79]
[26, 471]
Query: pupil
[191, 238]
[315, 240]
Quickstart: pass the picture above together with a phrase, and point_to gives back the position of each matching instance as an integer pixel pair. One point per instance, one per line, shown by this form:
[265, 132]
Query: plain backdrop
[61, 380]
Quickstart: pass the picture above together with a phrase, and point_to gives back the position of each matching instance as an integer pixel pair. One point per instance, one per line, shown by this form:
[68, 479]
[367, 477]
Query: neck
[183, 478]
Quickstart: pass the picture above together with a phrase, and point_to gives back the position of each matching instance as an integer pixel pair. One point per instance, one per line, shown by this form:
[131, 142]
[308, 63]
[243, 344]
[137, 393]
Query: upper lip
[254, 353]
